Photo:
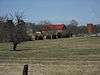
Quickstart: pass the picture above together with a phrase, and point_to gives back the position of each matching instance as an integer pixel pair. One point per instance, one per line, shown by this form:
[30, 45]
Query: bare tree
[72, 27]
[13, 28]
[19, 30]
[3, 29]
[73, 22]
[3, 18]
[44, 22]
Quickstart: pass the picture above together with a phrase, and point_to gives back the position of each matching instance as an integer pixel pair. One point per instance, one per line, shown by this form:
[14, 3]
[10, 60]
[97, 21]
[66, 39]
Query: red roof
[53, 27]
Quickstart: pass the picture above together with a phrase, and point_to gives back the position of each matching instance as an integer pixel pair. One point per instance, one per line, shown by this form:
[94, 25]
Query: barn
[53, 30]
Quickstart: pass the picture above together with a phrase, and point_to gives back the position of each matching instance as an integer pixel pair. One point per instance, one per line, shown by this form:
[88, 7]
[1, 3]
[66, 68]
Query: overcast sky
[56, 11]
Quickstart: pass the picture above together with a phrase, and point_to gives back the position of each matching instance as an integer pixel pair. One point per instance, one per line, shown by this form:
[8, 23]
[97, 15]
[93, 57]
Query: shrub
[54, 36]
[48, 37]
[59, 35]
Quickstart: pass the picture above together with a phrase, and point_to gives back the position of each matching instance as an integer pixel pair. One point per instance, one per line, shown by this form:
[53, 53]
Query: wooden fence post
[25, 70]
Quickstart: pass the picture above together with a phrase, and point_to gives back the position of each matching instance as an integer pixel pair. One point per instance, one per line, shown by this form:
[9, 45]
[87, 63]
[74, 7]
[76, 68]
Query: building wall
[90, 28]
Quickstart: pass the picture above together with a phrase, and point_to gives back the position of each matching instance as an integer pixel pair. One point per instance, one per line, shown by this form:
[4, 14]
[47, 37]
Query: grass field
[67, 56]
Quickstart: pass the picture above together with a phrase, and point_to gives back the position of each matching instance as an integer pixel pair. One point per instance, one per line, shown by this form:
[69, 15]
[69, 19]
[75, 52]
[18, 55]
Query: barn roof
[53, 27]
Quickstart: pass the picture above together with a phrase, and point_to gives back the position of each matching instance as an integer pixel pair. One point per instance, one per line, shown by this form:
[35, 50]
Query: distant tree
[72, 27]
[97, 28]
[82, 29]
[3, 32]
[4, 29]
[42, 24]
[45, 22]
[73, 22]
[3, 18]
[35, 27]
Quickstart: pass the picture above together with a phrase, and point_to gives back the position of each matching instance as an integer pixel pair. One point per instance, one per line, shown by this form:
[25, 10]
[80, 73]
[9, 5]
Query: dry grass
[71, 68]
[67, 56]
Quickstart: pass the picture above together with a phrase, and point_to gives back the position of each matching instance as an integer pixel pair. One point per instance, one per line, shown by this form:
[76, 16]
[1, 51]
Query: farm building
[53, 30]
[90, 28]
[56, 27]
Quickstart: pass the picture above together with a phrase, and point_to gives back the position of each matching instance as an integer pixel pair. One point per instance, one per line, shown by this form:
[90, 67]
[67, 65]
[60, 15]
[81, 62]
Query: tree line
[72, 27]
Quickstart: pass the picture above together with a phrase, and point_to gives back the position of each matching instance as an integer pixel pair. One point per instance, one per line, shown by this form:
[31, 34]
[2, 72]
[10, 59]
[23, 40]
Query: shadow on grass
[21, 49]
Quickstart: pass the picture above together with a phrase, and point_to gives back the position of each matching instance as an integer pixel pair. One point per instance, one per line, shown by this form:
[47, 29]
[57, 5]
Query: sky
[55, 11]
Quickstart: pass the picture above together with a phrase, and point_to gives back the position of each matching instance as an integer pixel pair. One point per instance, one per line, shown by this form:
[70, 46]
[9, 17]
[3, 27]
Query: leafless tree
[73, 22]
[4, 18]
[44, 22]
[19, 33]
[3, 29]
[72, 27]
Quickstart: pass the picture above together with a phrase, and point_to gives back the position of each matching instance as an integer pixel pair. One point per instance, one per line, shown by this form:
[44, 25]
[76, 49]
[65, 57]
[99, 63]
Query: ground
[66, 56]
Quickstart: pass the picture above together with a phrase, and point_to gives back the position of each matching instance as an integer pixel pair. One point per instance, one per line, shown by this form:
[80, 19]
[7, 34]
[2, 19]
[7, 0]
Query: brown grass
[69, 56]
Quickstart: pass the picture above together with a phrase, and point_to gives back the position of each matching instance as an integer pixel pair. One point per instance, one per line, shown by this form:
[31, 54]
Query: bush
[54, 37]
[48, 37]
[59, 35]
[39, 37]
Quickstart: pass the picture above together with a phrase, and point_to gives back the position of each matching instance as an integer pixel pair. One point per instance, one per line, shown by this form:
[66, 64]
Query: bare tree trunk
[14, 46]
